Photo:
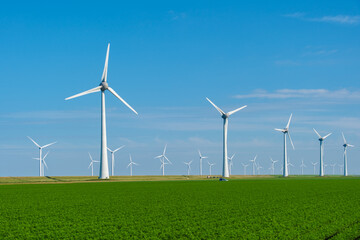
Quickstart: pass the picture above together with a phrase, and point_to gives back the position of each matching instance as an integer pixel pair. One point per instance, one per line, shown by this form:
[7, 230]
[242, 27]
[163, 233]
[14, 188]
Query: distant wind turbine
[104, 167]
[162, 158]
[231, 162]
[345, 145]
[188, 167]
[225, 116]
[201, 158]
[321, 139]
[314, 164]
[113, 159]
[253, 164]
[285, 131]
[273, 165]
[131, 164]
[302, 167]
[43, 161]
[40, 153]
[341, 168]
[333, 166]
[245, 166]
[92, 164]
[210, 166]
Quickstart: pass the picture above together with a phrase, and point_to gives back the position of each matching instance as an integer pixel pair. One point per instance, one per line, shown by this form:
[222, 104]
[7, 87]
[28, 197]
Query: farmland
[266, 208]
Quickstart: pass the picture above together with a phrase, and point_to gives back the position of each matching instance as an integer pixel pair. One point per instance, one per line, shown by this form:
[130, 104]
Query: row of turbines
[226, 168]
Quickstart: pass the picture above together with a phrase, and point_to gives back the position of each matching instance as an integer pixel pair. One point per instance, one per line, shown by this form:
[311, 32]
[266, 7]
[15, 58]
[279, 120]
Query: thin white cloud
[302, 93]
[339, 19]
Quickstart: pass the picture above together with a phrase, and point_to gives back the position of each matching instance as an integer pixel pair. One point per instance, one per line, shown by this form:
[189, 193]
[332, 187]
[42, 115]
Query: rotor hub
[104, 86]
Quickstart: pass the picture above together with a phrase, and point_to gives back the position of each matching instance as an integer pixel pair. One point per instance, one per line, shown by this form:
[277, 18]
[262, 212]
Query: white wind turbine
[258, 168]
[314, 164]
[290, 165]
[113, 158]
[231, 162]
[162, 158]
[104, 167]
[245, 166]
[210, 166]
[225, 116]
[285, 131]
[92, 164]
[341, 168]
[201, 158]
[253, 164]
[40, 154]
[345, 145]
[321, 139]
[333, 166]
[188, 167]
[273, 165]
[302, 167]
[43, 161]
[131, 164]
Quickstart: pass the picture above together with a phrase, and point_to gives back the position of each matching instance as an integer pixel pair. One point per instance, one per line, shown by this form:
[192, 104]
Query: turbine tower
[131, 164]
[201, 158]
[210, 166]
[162, 158]
[43, 162]
[104, 167]
[302, 167]
[113, 159]
[321, 139]
[345, 145]
[253, 164]
[40, 154]
[188, 167]
[92, 164]
[231, 162]
[225, 116]
[285, 131]
[314, 164]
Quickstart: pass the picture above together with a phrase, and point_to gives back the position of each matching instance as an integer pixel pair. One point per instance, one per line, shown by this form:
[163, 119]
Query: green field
[261, 208]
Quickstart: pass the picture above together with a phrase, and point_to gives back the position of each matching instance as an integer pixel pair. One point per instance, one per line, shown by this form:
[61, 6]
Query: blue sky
[276, 57]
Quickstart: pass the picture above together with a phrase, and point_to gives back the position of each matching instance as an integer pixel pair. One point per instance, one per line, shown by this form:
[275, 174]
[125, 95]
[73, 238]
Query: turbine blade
[119, 148]
[96, 89]
[91, 157]
[116, 95]
[292, 144]
[327, 135]
[104, 75]
[47, 145]
[287, 126]
[45, 163]
[34, 142]
[109, 149]
[217, 108]
[278, 129]
[164, 150]
[46, 155]
[167, 159]
[349, 145]
[236, 110]
[158, 156]
[343, 137]
[90, 164]
[255, 158]
[317, 133]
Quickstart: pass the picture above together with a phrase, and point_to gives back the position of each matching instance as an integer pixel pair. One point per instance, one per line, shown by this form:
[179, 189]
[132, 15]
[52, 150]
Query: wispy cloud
[176, 15]
[302, 93]
[339, 19]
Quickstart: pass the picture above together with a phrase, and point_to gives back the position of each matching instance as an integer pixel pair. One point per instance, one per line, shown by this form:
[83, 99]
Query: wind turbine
[273, 165]
[201, 158]
[291, 165]
[225, 116]
[112, 158]
[92, 164]
[162, 158]
[333, 166]
[345, 155]
[302, 167]
[104, 168]
[40, 153]
[258, 168]
[285, 131]
[210, 166]
[341, 167]
[188, 167]
[245, 166]
[253, 164]
[131, 164]
[43, 161]
[314, 164]
[321, 139]
[231, 162]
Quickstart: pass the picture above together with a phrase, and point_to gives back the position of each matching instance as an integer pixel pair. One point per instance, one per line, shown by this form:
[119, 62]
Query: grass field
[261, 208]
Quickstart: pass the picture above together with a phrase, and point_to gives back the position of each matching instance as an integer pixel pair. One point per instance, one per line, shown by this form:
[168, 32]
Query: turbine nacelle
[104, 86]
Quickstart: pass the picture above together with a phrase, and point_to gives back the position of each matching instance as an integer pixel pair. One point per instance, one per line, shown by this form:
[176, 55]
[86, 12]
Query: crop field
[262, 208]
